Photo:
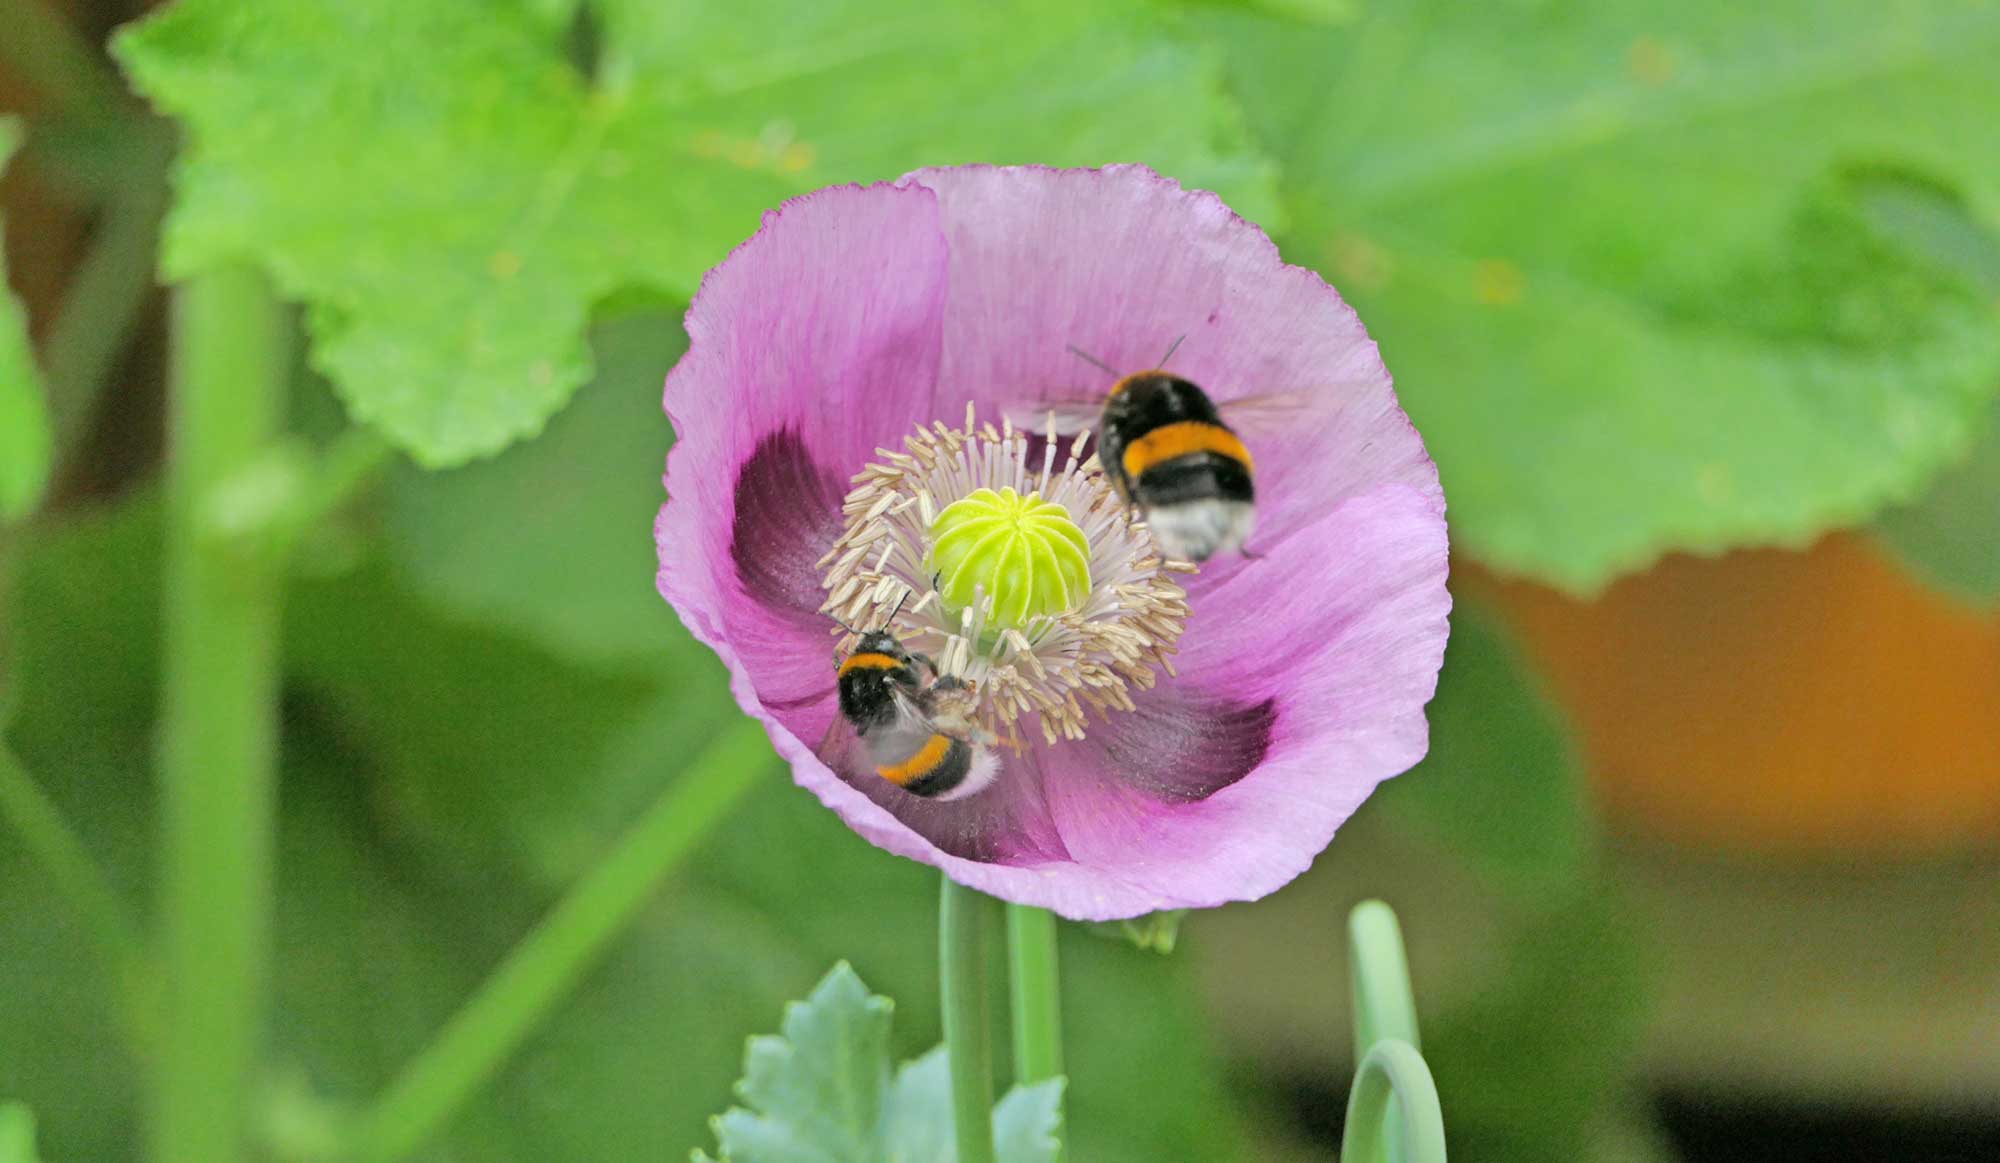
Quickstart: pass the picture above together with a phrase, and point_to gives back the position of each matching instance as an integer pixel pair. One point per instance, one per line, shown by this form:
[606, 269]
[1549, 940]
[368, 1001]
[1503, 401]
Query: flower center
[1034, 584]
[1024, 551]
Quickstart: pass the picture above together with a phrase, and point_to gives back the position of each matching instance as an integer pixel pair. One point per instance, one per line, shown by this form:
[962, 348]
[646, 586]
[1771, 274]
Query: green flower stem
[1379, 979]
[1037, 994]
[56, 846]
[546, 965]
[219, 721]
[1393, 1071]
[1388, 1064]
[965, 918]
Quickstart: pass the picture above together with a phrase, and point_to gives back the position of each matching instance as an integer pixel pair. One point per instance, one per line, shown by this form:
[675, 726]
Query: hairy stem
[219, 721]
[965, 917]
[546, 965]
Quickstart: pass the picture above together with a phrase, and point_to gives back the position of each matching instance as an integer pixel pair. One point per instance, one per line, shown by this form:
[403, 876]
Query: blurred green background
[1697, 308]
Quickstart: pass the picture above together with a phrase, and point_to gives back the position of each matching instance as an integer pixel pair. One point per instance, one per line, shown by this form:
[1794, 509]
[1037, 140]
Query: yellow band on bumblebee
[919, 765]
[1183, 438]
[868, 662]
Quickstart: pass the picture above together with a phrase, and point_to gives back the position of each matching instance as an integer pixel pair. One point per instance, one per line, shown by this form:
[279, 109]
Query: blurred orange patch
[1808, 703]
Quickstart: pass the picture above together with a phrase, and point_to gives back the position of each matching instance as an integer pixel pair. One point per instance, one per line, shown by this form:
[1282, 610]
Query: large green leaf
[1622, 261]
[822, 1093]
[453, 200]
[24, 416]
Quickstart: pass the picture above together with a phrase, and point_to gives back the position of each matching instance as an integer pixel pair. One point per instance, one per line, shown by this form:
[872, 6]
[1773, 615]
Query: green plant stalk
[103, 301]
[1037, 996]
[546, 965]
[1393, 1114]
[219, 720]
[965, 916]
[67, 863]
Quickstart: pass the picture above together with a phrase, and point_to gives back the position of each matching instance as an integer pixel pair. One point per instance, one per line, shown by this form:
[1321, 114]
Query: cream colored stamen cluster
[1052, 668]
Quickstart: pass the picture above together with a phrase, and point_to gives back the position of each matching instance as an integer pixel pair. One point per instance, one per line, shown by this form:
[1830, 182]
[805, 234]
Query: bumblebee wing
[1271, 413]
[1068, 416]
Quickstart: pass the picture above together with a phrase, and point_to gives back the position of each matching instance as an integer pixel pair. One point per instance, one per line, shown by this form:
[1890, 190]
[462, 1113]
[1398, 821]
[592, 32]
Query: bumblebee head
[882, 642]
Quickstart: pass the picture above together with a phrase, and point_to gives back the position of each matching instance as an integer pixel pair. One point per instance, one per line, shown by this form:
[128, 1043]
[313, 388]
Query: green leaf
[500, 540]
[453, 201]
[818, 1090]
[25, 439]
[919, 1117]
[1500, 789]
[821, 1092]
[1630, 274]
[17, 1134]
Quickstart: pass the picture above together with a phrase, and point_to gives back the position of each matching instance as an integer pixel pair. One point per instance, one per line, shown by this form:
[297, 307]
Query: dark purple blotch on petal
[1180, 750]
[787, 517]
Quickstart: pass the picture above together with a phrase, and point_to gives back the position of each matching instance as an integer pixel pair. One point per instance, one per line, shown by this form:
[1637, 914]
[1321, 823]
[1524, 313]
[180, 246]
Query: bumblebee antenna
[1171, 349]
[885, 622]
[1090, 359]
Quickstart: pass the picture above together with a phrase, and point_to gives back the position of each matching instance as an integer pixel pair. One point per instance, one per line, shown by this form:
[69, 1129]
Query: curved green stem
[219, 720]
[1379, 978]
[548, 962]
[1036, 996]
[1393, 1071]
[1387, 1060]
[964, 918]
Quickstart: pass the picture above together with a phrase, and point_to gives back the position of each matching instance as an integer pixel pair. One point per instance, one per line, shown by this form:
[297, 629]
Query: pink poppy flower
[1167, 737]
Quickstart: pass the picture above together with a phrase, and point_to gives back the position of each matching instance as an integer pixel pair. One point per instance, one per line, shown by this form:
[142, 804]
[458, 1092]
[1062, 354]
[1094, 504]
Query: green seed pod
[1024, 552]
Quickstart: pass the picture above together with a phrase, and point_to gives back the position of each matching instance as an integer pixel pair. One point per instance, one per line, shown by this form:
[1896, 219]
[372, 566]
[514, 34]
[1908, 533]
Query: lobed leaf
[1628, 272]
[454, 201]
[821, 1092]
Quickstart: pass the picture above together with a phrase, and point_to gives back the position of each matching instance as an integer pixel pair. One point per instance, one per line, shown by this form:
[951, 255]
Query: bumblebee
[1166, 450]
[916, 723]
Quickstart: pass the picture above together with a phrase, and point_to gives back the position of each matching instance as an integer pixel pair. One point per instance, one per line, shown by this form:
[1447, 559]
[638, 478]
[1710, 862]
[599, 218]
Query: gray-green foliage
[823, 1092]
[453, 201]
[24, 416]
[1620, 260]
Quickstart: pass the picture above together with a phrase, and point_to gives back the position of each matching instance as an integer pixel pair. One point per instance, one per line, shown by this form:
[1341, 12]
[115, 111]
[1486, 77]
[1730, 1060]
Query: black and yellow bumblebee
[916, 723]
[1169, 453]
[1166, 450]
